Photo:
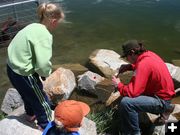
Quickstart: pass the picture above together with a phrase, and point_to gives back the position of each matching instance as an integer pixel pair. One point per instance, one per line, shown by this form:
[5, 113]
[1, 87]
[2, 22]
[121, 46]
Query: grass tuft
[103, 119]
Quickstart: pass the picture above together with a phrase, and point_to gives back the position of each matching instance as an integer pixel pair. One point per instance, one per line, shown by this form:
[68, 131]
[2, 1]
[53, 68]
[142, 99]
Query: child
[68, 116]
[29, 55]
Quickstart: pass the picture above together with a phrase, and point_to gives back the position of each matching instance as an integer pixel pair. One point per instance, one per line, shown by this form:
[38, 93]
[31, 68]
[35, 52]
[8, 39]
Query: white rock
[107, 61]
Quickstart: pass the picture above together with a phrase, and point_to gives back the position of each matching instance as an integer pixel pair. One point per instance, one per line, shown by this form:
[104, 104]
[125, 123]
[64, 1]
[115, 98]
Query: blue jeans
[130, 107]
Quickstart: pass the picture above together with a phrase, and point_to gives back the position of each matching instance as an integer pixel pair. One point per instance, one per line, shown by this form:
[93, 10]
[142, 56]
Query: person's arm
[43, 54]
[138, 82]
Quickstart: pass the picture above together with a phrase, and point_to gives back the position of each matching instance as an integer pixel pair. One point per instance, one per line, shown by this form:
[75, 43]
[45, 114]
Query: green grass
[103, 120]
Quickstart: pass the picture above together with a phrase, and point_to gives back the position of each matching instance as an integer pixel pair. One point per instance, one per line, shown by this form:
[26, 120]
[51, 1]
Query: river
[93, 24]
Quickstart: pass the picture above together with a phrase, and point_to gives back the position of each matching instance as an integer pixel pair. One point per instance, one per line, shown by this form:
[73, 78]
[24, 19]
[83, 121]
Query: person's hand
[124, 68]
[115, 81]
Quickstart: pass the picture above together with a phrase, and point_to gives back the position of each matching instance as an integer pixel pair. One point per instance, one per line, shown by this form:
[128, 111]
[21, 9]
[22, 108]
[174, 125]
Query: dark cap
[128, 46]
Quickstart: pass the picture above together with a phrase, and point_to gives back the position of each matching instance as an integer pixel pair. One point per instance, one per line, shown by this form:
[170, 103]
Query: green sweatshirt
[31, 50]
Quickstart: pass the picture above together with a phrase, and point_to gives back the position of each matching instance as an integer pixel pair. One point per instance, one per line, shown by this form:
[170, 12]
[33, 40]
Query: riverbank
[99, 116]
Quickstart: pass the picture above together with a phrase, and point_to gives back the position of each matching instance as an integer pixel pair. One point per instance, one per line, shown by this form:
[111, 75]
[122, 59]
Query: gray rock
[88, 81]
[16, 124]
[85, 83]
[88, 127]
[11, 101]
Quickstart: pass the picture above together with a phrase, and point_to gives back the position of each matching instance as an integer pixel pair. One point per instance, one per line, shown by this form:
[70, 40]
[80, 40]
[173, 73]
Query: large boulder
[106, 61]
[11, 101]
[16, 124]
[60, 84]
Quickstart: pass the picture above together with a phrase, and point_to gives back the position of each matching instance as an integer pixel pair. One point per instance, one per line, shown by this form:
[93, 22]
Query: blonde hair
[49, 11]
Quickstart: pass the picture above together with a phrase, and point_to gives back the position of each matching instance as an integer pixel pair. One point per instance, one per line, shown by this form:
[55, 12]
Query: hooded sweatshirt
[151, 78]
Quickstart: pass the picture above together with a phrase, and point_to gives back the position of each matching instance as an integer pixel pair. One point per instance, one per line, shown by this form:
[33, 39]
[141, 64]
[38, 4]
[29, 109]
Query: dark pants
[35, 100]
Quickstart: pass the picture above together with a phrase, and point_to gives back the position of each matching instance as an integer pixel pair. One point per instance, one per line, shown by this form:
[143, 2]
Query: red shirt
[151, 77]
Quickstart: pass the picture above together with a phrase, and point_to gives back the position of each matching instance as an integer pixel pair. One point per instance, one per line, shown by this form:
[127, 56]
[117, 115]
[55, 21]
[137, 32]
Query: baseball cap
[71, 113]
[128, 46]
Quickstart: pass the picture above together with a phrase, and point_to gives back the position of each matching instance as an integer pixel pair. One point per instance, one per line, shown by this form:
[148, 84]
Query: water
[94, 24]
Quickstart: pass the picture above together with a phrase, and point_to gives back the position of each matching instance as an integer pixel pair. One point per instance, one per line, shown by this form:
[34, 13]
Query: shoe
[164, 116]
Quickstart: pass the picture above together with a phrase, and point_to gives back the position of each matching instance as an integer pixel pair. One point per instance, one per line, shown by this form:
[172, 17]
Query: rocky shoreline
[74, 81]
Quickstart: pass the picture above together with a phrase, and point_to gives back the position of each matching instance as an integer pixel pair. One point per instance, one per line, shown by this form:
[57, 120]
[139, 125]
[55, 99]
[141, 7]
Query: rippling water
[93, 24]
